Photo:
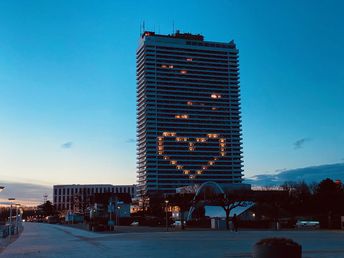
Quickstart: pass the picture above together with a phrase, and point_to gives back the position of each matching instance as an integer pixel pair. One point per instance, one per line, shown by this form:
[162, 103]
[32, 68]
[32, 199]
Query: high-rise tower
[188, 112]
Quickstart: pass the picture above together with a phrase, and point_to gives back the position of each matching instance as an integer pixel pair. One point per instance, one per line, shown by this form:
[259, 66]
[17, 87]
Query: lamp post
[1, 188]
[17, 218]
[166, 202]
[118, 213]
[11, 199]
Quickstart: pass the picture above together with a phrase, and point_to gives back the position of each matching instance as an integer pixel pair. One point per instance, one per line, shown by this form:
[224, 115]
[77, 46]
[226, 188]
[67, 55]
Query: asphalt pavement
[46, 240]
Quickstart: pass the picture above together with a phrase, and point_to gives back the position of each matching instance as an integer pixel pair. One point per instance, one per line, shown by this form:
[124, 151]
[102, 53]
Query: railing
[7, 230]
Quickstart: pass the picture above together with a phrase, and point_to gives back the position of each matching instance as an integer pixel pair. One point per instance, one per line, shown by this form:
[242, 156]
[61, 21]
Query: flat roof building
[188, 112]
[77, 198]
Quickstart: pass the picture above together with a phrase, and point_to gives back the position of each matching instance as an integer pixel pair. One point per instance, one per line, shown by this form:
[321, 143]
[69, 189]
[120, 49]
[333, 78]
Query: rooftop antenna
[143, 26]
[172, 27]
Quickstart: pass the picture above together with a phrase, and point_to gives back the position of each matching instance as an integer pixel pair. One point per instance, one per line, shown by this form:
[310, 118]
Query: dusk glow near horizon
[68, 83]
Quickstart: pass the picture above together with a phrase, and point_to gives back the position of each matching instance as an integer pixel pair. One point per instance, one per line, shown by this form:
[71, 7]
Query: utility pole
[166, 202]
[11, 199]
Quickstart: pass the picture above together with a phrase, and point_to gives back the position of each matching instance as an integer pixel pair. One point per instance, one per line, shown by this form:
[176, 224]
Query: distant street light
[2, 188]
[11, 199]
[17, 219]
[118, 213]
[166, 202]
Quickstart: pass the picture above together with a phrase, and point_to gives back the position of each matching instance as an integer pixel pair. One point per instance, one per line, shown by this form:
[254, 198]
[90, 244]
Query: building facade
[77, 198]
[188, 112]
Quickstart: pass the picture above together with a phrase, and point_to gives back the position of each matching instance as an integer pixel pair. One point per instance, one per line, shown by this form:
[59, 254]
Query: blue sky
[67, 83]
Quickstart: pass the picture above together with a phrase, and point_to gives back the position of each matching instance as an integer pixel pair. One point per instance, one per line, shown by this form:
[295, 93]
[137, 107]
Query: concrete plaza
[44, 240]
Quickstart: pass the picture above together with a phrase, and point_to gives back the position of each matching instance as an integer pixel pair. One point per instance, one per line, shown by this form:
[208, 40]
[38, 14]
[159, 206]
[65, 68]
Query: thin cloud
[280, 170]
[308, 174]
[300, 143]
[67, 145]
[130, 140]
[27, 194]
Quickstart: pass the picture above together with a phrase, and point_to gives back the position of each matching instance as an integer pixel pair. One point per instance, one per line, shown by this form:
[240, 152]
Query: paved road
[44, 240]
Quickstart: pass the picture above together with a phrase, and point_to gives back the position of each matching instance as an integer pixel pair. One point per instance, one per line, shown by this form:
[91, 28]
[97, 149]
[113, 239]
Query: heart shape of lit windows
[192, 145]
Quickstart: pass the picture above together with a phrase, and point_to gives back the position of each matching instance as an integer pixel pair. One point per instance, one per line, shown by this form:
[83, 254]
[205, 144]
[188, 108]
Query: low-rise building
[77, 198]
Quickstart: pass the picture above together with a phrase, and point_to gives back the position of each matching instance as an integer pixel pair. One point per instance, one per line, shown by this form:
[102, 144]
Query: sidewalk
[4, 242]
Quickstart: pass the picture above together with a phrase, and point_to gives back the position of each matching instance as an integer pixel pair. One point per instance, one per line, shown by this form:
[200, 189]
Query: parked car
[135, 223]
[311, 224]
[177, 224]
[52, 219]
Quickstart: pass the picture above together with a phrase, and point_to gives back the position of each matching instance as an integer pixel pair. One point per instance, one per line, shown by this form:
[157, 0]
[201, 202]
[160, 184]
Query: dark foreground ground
[45, 240]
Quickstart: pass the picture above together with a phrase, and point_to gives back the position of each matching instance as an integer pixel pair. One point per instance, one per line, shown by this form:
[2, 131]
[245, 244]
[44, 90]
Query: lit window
[183, 116]
[160, 148]
[211, 163]
[161, 152]
[160, 138]
[215, 96]
[170, 66]
[222, 144]
[163, 66]
[191, 146]
[186, 172]
[166, 158]
[169, 134]
[222, 140]
[204, 167]
[223, 153]
[192, 176]
[200, 139]
[199, 172]
[189, 59]
[179, 167]
[183, 72]
[212, 135]
[214, 108]
[189, 103]
[181, 139]
[173, 162]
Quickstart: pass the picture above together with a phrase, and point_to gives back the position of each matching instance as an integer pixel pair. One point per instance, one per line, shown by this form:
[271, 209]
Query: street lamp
[17, 218]
[166, 202]
[118, 213]
[11, 199]
[1, 188]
